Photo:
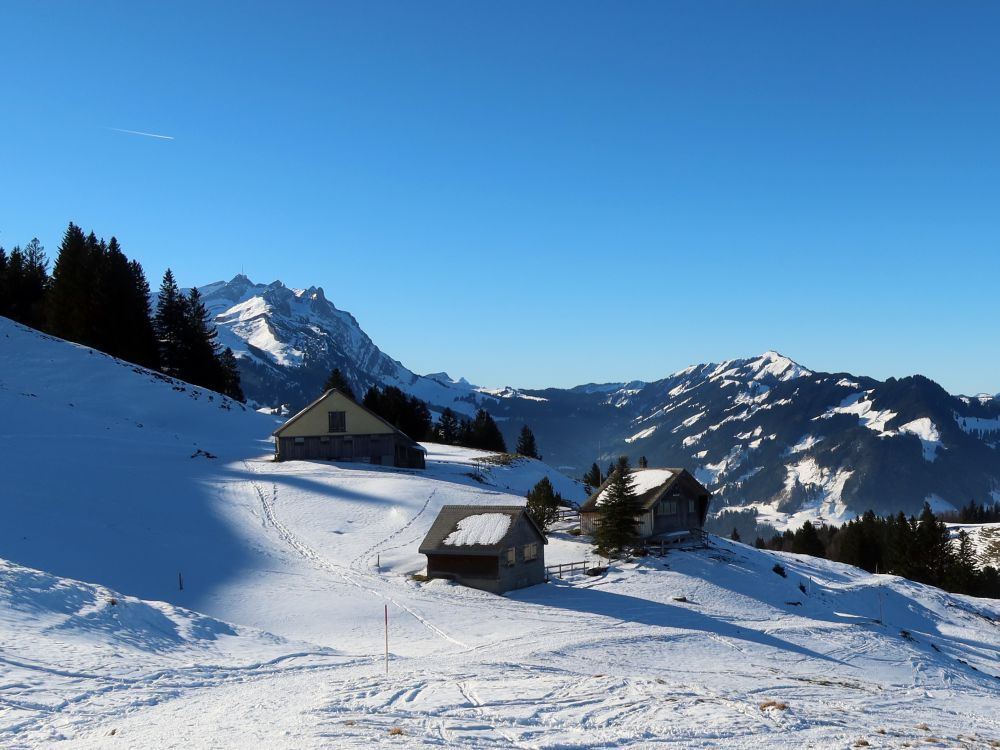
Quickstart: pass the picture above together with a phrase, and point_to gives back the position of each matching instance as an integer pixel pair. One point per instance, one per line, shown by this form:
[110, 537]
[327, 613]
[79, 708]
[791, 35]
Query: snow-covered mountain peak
[774, 364]
[288, 339]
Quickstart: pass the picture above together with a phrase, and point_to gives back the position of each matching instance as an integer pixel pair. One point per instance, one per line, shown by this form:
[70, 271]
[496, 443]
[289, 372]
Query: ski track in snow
[316, 559]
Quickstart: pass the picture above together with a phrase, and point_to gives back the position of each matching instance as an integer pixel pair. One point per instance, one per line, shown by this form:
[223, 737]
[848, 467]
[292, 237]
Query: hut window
[325, 439]
[338, 421]
[668, 507]
[691, 506]
[511, 555]
[531, 551]
[300, 441]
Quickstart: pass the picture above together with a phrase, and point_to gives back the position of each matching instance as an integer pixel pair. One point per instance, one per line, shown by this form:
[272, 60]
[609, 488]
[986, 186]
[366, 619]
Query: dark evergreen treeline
[24, 278]
[98, 297]
[973, 513]
[480, 432]
[408, 413]
[920, 549]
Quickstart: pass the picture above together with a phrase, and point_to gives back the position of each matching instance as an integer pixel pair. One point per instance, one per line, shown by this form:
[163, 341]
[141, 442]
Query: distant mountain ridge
[764, 431]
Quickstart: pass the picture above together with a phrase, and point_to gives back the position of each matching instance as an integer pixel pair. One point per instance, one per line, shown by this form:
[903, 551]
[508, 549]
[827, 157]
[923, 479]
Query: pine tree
[933, 549]
[407, 413]
[484, 433]
[338, 381]
[735, 536]
[143, 346]
[900, 540]
[643, 464]
[526, 444]
[231, 385]
[169, 324]
[962, 574]
[807, 542]
[543, 504]
[618, 513]
[200, 362]
[71, 293]
[24, 281]
[446, 431]
[593, 479]
[4, 285]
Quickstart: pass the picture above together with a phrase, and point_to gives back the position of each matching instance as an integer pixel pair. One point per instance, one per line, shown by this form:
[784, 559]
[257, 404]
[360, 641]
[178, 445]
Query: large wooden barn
[672, 502]
[495, 548]
[337, 428]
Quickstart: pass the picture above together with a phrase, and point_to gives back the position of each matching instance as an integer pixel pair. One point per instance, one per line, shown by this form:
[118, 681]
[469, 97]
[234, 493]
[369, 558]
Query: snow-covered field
[137, 484]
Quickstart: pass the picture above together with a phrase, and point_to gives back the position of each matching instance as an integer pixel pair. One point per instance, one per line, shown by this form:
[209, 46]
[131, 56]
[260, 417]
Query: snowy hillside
[120, 477]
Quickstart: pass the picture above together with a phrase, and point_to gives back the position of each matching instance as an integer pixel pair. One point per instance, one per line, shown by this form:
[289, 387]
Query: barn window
[325, 439]
[338, 421]
[511, 555]
[300, 441]
[531, 551]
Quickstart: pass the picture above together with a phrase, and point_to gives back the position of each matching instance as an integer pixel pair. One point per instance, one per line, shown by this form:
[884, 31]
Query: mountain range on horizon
[763, 432]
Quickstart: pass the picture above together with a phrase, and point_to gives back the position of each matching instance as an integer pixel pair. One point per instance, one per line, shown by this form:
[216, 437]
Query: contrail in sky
[148, 135]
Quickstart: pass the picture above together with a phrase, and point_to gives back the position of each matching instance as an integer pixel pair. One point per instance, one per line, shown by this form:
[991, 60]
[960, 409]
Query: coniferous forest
[98, 297]
[921, 549]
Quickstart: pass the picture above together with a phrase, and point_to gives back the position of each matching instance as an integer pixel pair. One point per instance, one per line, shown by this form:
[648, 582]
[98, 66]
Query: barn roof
[307, 409]
[650, 485]
[474, 529]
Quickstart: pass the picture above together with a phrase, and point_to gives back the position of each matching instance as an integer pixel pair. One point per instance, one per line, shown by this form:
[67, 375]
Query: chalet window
[511, 556]
[531, 551]
[338, 421]
[691, 506]
[668, 507]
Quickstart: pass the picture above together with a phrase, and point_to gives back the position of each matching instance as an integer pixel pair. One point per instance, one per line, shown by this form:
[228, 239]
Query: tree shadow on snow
[631, 609]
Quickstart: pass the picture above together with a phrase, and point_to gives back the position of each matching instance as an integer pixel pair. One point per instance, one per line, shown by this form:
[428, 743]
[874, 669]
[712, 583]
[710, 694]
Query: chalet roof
[648, 493]
[474, 529]
[364, 408]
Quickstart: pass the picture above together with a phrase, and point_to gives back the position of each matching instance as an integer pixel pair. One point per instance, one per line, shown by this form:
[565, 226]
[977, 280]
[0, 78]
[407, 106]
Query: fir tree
[526, 444]
[200, 362]
[933, 549]
[143, 347]
[71, 293]
[24, 281]
[643, 464]
[338, 381]
[543, 504]
[618, 513]
[484, 433]
[735, 536]
[169, 324]
[807, 542]
[231, 385]
[408, 413]
[593, 479]
[447, 429]
[962, 573]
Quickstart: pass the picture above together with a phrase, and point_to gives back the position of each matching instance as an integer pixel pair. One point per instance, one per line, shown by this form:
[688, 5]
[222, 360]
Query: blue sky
[538, 193]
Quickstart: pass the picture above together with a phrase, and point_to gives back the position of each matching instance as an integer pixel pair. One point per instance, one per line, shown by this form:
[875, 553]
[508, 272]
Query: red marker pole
[386, 640]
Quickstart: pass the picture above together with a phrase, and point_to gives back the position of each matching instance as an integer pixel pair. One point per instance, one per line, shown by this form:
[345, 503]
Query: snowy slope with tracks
[119, 477]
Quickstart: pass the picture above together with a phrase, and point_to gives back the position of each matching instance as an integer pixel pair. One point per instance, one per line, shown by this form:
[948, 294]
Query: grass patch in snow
[500, 459]
[776, 705]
